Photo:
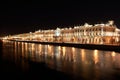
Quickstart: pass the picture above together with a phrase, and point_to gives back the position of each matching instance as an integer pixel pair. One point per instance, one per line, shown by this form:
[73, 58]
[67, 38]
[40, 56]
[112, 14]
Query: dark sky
[19, 17]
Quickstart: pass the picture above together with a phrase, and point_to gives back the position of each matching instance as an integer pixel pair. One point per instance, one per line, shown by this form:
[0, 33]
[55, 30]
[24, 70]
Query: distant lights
[58, 31]
[30, 32]
[102, 24]
[70, 28]
[111, 22]
[86, 24]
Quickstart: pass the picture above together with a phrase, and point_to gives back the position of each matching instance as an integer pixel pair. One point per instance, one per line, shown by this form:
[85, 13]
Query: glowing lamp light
[57, 32]
[86, 24]
[111, 22]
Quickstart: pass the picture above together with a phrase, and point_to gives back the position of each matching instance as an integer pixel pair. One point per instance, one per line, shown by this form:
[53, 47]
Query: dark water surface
[19, 60]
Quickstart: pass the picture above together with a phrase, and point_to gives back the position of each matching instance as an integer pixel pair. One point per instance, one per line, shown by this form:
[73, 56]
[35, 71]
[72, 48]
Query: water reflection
[96, 60]
[88, 64]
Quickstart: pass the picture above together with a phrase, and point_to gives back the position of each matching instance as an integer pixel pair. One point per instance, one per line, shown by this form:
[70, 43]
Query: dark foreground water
[20, 60]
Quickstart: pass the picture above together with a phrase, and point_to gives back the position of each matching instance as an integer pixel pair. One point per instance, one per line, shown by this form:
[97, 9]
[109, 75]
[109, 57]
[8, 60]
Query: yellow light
[96, 56]
[83, 54]
[113, 53]
[111, 22]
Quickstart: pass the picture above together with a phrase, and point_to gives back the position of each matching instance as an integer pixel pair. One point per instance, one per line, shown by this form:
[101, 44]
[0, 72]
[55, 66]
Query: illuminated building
[86, 34]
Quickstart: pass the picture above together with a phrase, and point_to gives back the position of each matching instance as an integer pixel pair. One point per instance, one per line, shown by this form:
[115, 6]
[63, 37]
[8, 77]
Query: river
[78, 63]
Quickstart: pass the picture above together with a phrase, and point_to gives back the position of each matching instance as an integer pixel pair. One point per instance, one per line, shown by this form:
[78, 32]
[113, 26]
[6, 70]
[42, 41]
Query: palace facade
[86, 34]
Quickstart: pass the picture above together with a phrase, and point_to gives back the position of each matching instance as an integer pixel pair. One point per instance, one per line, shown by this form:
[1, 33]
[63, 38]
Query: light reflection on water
[89, 64]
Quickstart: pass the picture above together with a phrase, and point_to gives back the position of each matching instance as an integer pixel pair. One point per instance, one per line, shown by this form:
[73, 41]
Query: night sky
[23, 17]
